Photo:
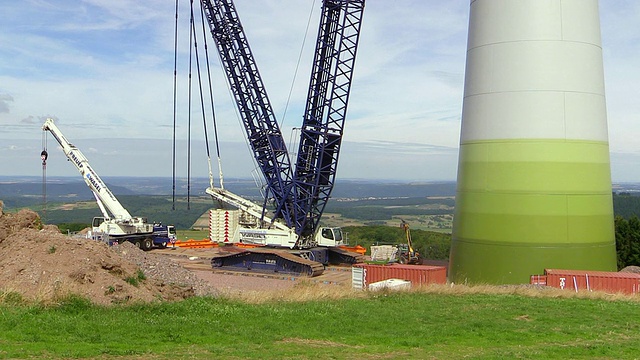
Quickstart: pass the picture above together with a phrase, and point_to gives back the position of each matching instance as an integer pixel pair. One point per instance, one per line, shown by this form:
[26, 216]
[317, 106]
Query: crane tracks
[270, 261]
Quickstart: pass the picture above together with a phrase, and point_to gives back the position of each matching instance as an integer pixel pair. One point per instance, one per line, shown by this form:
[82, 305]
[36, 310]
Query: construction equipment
[403, 253]
[297, 196]
[406, 253]
[116, 225]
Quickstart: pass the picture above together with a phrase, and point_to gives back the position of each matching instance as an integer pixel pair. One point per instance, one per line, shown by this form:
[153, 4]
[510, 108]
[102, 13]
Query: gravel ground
[161, 268]
[171, 269]
[241, 283]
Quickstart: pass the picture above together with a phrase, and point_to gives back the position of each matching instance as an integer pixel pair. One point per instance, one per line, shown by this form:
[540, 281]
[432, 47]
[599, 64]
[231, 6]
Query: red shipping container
[417, 274]
[586, 280]
[538, 280]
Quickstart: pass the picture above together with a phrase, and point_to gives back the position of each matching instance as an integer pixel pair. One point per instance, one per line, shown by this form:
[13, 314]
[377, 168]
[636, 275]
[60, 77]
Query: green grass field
[184, 235]
[334, 323]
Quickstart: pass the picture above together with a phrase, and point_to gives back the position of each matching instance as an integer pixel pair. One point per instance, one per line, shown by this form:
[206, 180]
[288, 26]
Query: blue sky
[104, 70]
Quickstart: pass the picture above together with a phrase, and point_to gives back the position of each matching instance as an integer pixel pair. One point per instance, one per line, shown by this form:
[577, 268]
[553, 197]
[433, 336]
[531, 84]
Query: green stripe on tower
[526, 205]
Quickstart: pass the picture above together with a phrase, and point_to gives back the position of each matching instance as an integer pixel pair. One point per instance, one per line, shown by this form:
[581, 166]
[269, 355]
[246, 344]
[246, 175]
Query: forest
[627, 241]
[626, 208]
[430, 244]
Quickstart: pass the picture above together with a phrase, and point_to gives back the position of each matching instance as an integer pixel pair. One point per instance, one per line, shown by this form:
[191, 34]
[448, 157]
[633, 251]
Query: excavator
[116, 225]
[406, 253]
[285, 230]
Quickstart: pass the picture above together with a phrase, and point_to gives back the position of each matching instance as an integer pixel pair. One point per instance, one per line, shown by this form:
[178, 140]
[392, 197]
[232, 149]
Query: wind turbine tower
[534, 178]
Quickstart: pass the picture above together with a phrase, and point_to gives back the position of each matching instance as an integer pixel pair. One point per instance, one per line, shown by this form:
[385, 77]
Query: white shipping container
[357, 277]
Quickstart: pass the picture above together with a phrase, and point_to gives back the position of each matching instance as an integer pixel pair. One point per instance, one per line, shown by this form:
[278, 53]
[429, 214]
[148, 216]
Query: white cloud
[104, 69]
[4, 102]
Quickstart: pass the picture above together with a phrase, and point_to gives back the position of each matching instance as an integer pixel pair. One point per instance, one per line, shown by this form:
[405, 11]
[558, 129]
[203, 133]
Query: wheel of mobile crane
[146, 244]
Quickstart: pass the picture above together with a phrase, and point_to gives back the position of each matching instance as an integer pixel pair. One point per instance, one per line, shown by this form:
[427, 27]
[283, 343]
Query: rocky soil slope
[43, 265]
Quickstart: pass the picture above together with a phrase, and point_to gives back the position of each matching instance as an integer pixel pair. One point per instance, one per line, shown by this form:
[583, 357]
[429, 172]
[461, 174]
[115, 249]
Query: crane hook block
[44, 155]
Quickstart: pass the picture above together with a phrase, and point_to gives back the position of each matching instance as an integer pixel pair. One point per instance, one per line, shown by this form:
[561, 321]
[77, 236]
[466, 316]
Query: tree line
[626, 208]
[430, 244]
[627, 241]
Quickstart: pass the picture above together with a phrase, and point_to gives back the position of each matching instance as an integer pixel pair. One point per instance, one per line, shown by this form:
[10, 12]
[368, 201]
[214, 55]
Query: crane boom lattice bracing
[298, 196]
[247, 87]
[325, 112]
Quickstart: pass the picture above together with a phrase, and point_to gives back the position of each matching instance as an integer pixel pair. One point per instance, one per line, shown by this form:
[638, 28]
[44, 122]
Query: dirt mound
[10, 223]
[43, 265]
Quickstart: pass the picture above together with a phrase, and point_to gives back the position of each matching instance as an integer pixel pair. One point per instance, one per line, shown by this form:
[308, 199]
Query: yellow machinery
[406, 253]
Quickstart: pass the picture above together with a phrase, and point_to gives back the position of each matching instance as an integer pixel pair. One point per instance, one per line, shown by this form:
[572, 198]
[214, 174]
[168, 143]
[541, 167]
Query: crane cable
[202, 107]
[44, 155]
[191, 41]
[213, 112]
[175, 85]
[295, 73]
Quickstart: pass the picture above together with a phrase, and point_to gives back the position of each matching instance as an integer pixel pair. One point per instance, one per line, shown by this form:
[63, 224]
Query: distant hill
[65, 188]
[152, 197]
[56, 189]
[364, 189]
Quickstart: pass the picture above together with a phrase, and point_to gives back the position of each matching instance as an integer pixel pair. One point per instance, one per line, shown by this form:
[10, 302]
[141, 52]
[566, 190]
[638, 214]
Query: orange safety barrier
[356, 249]
[195, 244]
[206, 243]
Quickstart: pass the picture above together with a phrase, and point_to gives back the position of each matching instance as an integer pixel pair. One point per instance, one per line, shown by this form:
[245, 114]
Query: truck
[285, 229]
[116, 225]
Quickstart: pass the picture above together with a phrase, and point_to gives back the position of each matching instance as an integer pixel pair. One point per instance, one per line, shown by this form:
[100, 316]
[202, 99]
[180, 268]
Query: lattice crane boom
[299, 196]
[266, 140]
[326, 108]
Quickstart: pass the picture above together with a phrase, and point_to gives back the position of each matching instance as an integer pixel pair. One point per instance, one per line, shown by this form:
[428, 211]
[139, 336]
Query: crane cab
[97, 221]
[329, 237]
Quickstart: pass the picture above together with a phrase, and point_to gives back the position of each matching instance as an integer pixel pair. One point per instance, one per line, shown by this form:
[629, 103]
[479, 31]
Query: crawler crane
[297, 196]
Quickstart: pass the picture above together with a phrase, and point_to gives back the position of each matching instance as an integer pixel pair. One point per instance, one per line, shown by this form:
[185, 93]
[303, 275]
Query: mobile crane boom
[109, 205]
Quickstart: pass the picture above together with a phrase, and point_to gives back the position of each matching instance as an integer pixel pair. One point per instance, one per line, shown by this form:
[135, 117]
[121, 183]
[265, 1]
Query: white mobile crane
[116, 225]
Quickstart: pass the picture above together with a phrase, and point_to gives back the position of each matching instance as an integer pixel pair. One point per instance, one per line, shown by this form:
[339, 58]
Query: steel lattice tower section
[263, 133]
[326, 108]
[534, 178]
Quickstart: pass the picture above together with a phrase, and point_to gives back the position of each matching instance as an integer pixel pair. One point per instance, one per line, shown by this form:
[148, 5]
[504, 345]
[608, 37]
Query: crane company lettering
[77, 161]
[93, 181]
[253, 234]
